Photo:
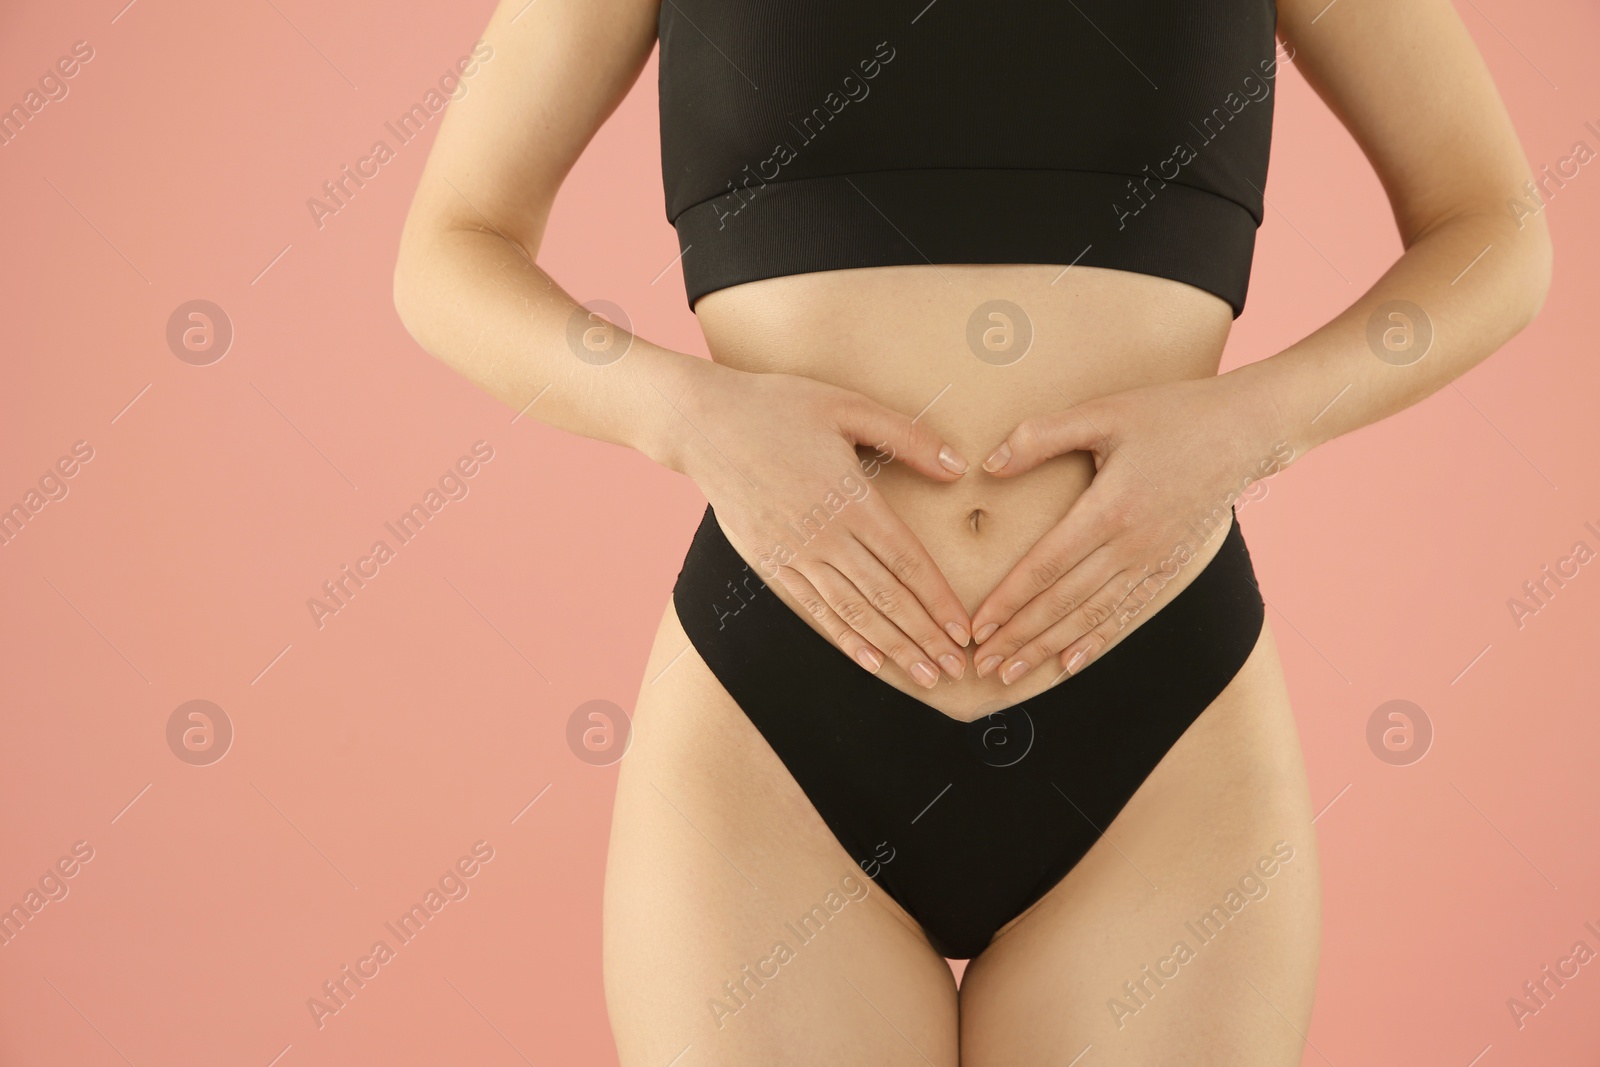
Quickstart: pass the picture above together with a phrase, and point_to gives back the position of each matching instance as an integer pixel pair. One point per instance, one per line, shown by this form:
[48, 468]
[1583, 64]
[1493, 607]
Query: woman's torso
[932, 339]
[852, 183]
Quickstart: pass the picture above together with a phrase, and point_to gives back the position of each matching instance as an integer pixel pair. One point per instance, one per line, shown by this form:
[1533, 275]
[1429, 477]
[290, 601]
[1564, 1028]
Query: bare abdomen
[974, 349]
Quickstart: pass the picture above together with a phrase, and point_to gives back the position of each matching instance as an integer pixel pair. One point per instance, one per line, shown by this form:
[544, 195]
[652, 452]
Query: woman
[967, 659]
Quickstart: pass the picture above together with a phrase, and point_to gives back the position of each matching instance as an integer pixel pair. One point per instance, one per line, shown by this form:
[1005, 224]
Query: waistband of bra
[968, 215]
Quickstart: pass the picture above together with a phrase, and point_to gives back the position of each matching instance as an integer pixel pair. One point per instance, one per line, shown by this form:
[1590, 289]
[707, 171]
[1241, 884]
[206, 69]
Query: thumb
[897, 437]
[1045, 436]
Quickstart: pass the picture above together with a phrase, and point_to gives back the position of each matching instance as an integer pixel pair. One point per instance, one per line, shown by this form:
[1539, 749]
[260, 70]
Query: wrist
[677, 396]
[1255, 418]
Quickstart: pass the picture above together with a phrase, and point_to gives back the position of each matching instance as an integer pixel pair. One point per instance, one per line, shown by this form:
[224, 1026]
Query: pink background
[370, 754]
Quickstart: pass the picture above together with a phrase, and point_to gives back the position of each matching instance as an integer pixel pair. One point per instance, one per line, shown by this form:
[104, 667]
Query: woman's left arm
[1407, 81]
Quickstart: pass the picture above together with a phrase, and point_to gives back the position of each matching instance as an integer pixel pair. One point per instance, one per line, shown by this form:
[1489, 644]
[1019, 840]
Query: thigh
[735, 925]
[1190, 932]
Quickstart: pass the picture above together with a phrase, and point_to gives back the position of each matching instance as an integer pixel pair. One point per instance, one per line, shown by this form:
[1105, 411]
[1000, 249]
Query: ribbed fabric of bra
[799, 137]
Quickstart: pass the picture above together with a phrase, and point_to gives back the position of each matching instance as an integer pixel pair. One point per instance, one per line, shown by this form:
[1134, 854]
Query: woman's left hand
[1170, 460]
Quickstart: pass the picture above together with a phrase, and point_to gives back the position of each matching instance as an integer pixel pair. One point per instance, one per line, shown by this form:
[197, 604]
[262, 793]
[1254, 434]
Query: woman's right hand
[775, 454]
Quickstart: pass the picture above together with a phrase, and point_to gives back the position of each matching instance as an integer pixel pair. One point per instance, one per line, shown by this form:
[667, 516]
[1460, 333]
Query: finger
[1085, 650]
[853, 606]
[899, 606]
[854, 645]
[1099, 617]
[1086, 527]
[1059, 602]
[912, 443]
[1041, 437]
[1149, 595]
[887, 537]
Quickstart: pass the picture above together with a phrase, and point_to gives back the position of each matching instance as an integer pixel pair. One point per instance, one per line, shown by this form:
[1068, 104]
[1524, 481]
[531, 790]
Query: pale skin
[1122, 438]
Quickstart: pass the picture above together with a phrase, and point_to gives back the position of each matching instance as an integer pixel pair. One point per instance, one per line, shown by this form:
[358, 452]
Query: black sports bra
[811, 135]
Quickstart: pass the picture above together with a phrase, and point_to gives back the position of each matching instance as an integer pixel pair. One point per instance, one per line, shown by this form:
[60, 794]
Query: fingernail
[869, 659]
[925, 674]
[1076, 661]
[989, 663]
[953, 665]
[1001, 457]
[987, 632]
[958, 633]
[1015, 671]
[951, 461]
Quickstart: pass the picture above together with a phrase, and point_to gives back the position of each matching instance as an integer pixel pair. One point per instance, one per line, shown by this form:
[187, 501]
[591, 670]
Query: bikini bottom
[966, 824]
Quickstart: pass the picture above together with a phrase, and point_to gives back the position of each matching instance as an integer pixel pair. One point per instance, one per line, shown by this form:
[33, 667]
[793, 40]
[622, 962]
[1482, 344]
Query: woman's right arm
[765, 448]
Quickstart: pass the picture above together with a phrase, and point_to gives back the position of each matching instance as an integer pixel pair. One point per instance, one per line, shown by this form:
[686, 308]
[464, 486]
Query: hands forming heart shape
[1170, 460]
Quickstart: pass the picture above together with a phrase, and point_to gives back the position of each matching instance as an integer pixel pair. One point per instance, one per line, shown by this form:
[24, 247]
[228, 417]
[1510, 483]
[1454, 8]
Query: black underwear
[966, 825]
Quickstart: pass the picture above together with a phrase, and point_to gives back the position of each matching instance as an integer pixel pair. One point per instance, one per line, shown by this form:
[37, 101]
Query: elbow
[403, 288]
[415, 286]
[411, 287]
[1530, 281]
[1524, 281]
[1518, 292]
[1539, 273]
